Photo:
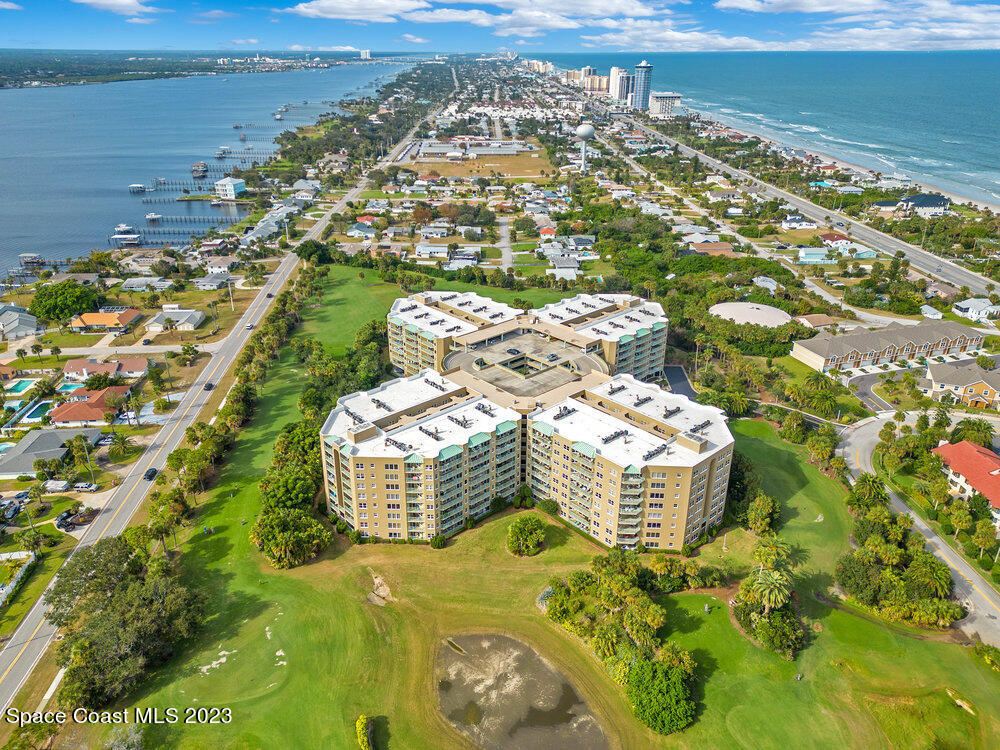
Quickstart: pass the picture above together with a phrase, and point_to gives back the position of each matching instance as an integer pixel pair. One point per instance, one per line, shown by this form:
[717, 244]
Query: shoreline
[740, 127]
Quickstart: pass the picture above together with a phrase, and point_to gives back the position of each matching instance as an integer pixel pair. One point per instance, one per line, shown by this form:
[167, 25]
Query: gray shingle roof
[895, 334]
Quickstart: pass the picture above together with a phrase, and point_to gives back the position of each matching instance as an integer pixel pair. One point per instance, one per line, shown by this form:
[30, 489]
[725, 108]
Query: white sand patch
[279, 652]
[267, 632]
[223, 655]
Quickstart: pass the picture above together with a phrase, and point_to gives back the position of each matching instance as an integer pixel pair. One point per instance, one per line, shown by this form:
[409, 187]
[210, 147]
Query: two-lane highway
[19, 656]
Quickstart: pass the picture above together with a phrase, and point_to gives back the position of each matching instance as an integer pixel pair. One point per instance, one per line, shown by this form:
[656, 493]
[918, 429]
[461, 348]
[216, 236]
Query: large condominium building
[894, 343]
[551, 398]
[624, 333]
[664, 104]
[620, 84]
[643, 82]
[628, 462]
[422, 326]
[417, 456]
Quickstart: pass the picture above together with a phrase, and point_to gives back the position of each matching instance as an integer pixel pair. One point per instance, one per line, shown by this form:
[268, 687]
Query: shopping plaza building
[492, 398]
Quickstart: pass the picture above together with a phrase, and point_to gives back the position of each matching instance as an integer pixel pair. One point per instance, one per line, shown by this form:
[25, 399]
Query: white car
[85, 487]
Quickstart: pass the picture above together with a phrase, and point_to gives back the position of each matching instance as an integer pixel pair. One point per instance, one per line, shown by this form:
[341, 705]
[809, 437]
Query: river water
[68, 154]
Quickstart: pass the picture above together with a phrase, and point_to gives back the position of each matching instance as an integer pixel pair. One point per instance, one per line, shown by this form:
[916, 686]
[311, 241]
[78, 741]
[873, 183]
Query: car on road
[250, 327]
[269, 295]
[209, 385]
[150, 475]
[85, 487]
[512, 350]
[841, 224]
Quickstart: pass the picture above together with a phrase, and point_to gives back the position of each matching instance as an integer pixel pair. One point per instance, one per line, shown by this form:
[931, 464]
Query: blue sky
[523, 25]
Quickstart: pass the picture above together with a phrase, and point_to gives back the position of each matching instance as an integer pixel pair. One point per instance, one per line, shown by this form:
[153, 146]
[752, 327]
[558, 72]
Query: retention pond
[500, 693]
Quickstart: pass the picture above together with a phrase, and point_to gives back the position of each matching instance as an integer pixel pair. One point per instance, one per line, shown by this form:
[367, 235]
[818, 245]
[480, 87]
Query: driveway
[677, 378]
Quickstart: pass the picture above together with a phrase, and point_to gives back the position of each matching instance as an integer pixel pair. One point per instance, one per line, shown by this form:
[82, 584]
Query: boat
[137, 187]
[124, 228]
[243, 136]
[127, 240]
[215, 203]
[199, 169]
[153, 216]
[236, 126]
[278, 117]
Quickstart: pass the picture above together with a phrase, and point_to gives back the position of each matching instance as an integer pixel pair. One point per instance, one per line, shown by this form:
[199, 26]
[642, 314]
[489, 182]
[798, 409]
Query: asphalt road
[678, 380]
[20, 654]
[32, 637]
[980, 598]
[506, 249]
[930, 264]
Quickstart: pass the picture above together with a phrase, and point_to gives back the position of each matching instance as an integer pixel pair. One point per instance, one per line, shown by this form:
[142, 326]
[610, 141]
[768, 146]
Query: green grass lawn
[67, 339]
[297, 655]
[51, 560]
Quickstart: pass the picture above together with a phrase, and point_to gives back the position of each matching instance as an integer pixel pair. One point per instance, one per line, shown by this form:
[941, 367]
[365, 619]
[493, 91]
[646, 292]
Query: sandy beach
[840, 161]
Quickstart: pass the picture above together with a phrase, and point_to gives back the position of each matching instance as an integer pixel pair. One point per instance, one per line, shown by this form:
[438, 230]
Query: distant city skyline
[527, 26]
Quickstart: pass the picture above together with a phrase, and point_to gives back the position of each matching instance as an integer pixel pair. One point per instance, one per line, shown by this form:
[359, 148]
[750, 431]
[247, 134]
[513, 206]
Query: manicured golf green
[297, 655]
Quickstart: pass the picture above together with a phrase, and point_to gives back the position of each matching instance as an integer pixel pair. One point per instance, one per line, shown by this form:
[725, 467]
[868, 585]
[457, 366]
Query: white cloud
[140, 20]
[216, 15]
[4, 5]
[522, 23]
[375, 11]
[414, 39]
[122, 7]
[579, 8]
[802, 6]
[643, 35]
[335, 48]
[243, 41]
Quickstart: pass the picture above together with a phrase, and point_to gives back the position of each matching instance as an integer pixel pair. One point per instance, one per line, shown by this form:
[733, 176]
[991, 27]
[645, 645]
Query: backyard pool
[68, 387]
[20, 385]
[38, 411]
[6, 446]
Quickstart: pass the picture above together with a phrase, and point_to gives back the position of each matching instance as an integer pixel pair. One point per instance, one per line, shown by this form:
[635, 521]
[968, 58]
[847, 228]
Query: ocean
[68, 154]
[930, 115]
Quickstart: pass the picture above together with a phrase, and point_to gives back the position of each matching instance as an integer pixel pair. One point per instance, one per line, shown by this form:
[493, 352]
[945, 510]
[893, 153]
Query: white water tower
[585, 132]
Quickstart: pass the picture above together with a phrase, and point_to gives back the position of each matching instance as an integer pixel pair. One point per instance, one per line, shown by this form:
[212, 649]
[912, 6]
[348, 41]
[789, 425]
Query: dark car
[22, 495]
[150, 475]
[269, 295]
[513, 351]
[209, 386]
[552, 357]
[147, 342]
[64, 522]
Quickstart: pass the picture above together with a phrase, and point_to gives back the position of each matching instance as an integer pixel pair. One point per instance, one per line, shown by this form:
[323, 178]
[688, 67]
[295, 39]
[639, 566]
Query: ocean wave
[850, 143]
[804, 128]
[948, 140]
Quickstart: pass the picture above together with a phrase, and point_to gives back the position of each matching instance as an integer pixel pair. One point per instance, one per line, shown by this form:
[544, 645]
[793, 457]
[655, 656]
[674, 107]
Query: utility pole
[232, 304]
[166, 363]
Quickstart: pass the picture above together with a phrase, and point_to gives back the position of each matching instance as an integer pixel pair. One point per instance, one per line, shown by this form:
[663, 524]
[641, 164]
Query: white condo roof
[613, 324]
[588, 424]
[474, 304]
[436, 322]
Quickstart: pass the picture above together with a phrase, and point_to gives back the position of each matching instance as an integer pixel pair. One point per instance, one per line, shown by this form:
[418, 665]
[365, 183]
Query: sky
[525, 26]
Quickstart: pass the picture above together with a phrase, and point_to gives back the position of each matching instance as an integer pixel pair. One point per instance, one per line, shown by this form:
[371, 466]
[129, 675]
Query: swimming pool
[6, 446]
[21, 385]
[69, 387]
[38, 411]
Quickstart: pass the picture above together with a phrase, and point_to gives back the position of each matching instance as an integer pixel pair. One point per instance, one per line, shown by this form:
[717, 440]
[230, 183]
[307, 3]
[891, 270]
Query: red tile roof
[833, 237]
[980, 467]
[90, 410]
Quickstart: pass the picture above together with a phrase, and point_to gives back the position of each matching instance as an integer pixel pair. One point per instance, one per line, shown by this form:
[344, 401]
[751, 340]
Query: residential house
[797, 222]
[174, 317]
[230, 188]
[361, 231]
[971, 469]
[565, 267]
[437, 252]
[16, 322]
[766, 282]
[926, 206]
[142, 263]
[894, 343]
[46, 444]
[965, 382]
[431, 231]
[212, 281]
[940, 289]
[931, 313]
[717, 196]
[816, 321]
[146, 284]
[8, 373]
[87, 408]
[701, 237]
[977, 308]
[813, 255]
[107, 320]
[723, 249]
[220, 264]
[81, 369]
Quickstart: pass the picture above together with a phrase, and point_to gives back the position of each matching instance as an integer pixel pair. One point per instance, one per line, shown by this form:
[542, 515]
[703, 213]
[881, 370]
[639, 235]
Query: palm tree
[21, 354]
[37, 349]
[772, 588]
[55, 351]
[120, 444]
[771, 552]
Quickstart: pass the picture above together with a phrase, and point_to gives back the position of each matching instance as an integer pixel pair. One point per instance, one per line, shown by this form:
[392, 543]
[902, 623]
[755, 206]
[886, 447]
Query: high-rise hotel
[492, 398]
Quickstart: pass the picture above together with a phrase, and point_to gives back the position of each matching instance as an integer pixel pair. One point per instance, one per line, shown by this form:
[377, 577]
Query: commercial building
[894, 343]
[493, 398]
[664, 104]
[620, 84]
[643, 81]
